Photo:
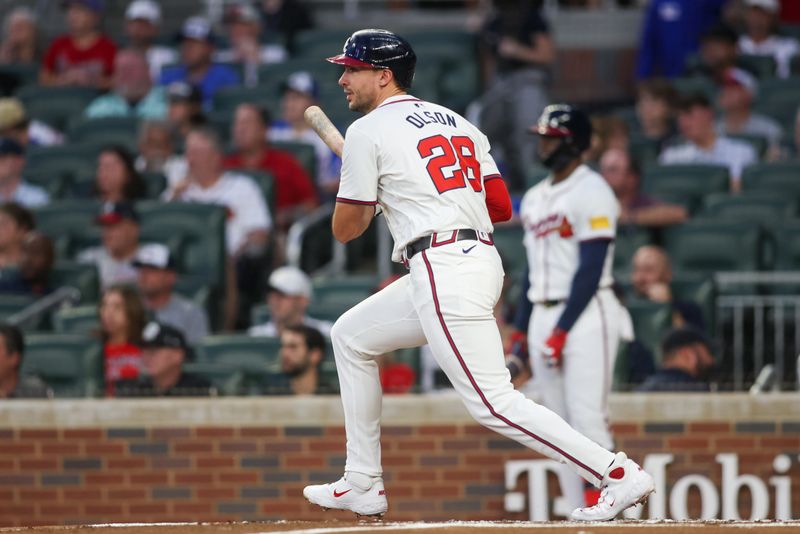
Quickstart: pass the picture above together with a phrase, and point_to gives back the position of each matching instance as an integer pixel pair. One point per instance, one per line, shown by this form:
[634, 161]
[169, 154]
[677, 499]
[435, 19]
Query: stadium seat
[781, 178]
[80, 320]
[787, 239]
[249, 355]
[55, 106]
[200, 230]
[82, 277]
[304, 153]
[695, 84]
[651, 320]
[70, 364]
[317, 44]
[779, 98]
[56, 167]
[351, 288]
[155, 183]
[105, 131]
[15, 75]
[644, 151]
[690, 182]
[70, 224]
[708, 246]
[763, 67]
[627, 242]
[763, 207]
[11, 304]
[508, 240]
[698, 288]
[228, 98]
[225, 379]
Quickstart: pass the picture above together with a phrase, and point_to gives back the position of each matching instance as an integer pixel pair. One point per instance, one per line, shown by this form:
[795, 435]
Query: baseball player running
[573, 332]
[430, 172]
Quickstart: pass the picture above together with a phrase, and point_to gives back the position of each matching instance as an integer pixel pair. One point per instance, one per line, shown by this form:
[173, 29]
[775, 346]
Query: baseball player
[430, 172]
[573, 332]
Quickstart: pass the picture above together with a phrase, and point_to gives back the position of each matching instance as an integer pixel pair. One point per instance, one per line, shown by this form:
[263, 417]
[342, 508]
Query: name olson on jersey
[556, 222]
[427, 117]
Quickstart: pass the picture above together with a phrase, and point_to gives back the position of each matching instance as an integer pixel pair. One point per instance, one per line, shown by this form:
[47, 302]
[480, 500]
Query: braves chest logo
[555, 222]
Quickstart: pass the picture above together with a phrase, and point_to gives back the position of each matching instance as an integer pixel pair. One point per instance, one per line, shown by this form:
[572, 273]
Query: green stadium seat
[334, 296]
[228, 98]
[55, 105]
[781, 178]
[644, 151]
[695, 84]
[200, 230]
[763, 67]
[15, 75]
[105, 131]
[627, 242]
[690, 182]
[508, 240]
[70, 223]
[320, 43]
[698, 288]
[155, 183]
[762, 207]
[225, 379]
[779, 98]
[82, 277]
[651, 320]
[247, 354]
[708, 246]
[788, 247]
[304, 153]
[80, 320]
[56, 167]
[11, 304]
[71, 365]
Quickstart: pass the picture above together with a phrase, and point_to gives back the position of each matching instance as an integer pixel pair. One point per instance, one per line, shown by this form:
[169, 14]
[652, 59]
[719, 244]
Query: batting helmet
[569, 124]
[379, 49]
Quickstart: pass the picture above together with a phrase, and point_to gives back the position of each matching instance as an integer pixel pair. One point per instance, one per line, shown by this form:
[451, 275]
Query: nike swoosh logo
[466, 250]
[337, 494]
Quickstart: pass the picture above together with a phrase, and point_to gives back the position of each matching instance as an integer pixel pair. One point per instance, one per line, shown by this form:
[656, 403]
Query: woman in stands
[117, 179]
[122, 318]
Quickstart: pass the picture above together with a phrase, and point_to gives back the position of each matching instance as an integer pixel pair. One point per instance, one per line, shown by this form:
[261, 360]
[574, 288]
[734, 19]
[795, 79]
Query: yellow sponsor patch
[599, 223]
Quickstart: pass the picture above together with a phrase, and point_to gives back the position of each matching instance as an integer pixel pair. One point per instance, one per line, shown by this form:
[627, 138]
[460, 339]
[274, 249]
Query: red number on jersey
[458, 150]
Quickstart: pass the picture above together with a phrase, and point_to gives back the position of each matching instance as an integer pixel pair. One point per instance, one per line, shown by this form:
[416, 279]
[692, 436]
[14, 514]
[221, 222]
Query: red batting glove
[554, 347]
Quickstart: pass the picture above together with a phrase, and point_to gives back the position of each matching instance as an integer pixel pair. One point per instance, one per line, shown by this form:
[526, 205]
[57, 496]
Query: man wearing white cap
[142, 22]
[288, 297]
[760, 38]
[156, 279]
[739, 90]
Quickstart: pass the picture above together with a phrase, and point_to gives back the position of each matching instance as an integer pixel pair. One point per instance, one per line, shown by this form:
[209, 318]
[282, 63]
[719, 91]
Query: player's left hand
[554, 347]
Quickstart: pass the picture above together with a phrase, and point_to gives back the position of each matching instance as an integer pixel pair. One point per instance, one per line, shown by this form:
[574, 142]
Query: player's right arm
[358, 188]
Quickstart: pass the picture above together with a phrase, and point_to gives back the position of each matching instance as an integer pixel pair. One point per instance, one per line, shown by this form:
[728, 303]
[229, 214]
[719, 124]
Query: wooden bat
[321, 124]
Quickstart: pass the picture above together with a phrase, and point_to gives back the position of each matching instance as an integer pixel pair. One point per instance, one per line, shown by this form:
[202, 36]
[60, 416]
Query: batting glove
[554, 347]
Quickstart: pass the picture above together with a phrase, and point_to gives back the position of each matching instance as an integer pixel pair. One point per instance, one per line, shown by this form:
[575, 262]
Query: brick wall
[160, 472]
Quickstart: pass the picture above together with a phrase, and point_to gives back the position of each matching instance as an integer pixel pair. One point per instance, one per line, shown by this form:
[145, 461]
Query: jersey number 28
[456, 150]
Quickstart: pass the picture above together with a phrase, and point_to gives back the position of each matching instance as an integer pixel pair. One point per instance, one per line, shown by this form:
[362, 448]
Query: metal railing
[31, 315]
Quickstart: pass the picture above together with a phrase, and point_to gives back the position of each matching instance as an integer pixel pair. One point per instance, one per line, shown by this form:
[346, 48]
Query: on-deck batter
[431, 173]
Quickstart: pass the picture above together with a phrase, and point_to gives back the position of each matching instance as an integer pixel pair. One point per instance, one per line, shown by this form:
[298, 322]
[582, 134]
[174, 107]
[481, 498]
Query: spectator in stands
[302, 350]
[761, 38]
[703, 145]
[16, 125]
[122, 318]
[651, 277]
[249, 223]
[35, 264]
[12, 187]
[655, 110]
[197, 68]
[517, 53]
[294, 189]
[117, 179]
[717, 53]
[739, 90]
[289, 294]
[12, 385]
[157, 142]
[142, 24]
[301, 90]
[286, 17]
[671, 33]
[132, 93]
[119, 224]
[20, 42]
[157, 276]
[84, 56]
[608, 131]
[243, 25]
[164, 352]
[15, 223]
[636, 208]
[185, 108]
[687, 363]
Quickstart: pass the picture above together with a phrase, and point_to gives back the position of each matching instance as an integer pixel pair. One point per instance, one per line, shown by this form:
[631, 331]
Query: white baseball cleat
[344, 495]
[625, 485]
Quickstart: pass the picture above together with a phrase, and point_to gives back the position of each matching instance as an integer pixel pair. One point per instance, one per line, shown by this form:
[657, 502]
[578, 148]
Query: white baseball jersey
[557, 218]
[423, 164]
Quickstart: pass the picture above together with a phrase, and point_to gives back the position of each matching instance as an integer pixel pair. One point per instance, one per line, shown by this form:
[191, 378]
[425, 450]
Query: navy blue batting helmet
[379, 49]
[569, 124]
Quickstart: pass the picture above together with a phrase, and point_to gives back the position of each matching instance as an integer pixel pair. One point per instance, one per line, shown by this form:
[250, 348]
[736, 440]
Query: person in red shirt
[294, 191]
[84, 56]
[122, 318]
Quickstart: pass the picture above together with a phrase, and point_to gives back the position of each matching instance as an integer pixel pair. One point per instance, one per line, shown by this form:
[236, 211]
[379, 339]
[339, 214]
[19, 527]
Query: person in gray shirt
[12, 385]
[156, 280]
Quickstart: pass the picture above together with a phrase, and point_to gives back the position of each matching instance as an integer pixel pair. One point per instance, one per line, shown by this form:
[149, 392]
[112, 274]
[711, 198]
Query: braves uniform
[557, 218]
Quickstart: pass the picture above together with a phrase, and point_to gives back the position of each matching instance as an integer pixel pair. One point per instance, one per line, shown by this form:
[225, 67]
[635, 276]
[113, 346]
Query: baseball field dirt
[454, 527]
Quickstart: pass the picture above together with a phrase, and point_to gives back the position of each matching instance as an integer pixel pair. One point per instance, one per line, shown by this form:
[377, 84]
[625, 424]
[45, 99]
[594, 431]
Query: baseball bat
[321, 124]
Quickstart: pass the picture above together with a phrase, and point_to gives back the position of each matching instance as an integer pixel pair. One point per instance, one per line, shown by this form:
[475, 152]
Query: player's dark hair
[14, 340]
[22, 216]
[687, 102]
[313, 337]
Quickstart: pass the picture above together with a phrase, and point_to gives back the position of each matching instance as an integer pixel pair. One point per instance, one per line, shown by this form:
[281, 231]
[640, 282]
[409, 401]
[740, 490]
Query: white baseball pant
[447, 300]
